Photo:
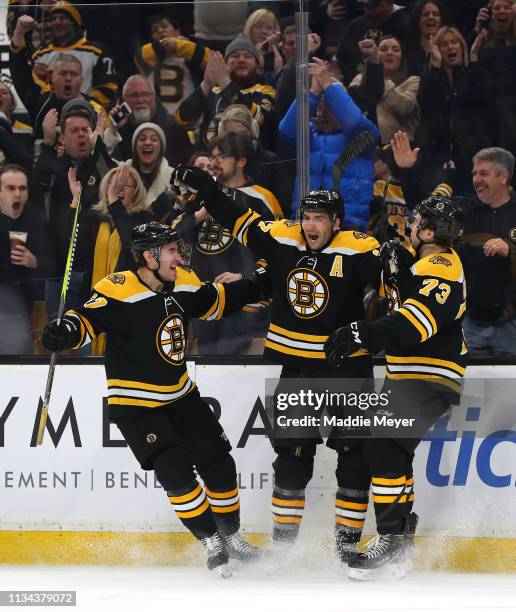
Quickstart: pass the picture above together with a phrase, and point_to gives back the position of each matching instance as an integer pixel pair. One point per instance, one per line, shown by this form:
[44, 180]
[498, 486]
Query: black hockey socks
[391, 494]
[193, 510]
[287, 512]
[225, 506]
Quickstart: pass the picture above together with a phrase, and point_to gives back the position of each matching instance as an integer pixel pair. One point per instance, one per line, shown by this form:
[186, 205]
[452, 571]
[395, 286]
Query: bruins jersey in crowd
[146, 334]
[173, 77]
[313, 293]
[423, 334]
[258, 97]
[391, 209]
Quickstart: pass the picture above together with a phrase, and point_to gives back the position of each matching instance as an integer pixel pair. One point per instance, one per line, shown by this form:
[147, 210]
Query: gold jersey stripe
[425, 310]
[296, 335]
[426, 361]
[296, 352]
[415, 323]
[134, 384]
[441, 380]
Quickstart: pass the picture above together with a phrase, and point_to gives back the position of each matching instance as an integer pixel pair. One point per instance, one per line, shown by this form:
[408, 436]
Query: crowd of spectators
[101, 106]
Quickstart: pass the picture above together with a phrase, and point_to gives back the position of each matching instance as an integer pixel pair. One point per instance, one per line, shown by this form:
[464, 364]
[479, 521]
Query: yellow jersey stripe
[296, 335]
[426, 361]
[425, 310]
[415, 323]
[133, 384]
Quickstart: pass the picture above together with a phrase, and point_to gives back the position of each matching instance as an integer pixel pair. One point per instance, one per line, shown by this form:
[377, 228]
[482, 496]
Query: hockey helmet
[151, 237]
[442, 215]
[322, 200]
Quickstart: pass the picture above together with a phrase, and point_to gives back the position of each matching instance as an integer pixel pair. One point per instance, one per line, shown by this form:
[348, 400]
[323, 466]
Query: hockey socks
[350, 512]
[193, 510]
[392, 497]
[287, 512]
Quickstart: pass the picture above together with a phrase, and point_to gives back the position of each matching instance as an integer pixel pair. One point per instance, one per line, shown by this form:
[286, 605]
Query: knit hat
[65, 7]
[242, 43]
[81, 105]
[150, 126]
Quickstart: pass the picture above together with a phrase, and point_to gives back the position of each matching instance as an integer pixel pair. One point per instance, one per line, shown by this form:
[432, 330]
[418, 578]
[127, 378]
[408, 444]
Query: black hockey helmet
[442, 215]
[151, 237]
[322, 200]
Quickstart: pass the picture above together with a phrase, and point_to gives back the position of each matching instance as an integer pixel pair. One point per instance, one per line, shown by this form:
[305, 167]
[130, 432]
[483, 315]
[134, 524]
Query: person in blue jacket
[337, 121]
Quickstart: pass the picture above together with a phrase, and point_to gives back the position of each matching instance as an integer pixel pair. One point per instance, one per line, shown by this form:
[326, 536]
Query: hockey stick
[354, 149]
[64, 288]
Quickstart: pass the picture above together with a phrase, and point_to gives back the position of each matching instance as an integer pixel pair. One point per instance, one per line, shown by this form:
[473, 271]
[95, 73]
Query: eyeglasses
[218, 158]
[144, 95]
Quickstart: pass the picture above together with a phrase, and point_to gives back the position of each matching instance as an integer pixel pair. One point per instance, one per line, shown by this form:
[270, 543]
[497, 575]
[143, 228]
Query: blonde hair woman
[122, 206]
[263, 30]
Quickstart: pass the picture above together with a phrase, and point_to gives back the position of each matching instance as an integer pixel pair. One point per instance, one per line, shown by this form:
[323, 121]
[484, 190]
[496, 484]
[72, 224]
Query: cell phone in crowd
[121, 113]
[484, 23]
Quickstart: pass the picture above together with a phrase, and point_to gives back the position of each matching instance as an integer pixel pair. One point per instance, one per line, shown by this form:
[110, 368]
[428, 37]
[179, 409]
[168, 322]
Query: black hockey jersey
[313, 293]
[146, 334]
[423, 336]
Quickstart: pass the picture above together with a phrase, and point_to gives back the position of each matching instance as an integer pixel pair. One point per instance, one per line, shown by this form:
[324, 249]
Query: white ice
[193, 589]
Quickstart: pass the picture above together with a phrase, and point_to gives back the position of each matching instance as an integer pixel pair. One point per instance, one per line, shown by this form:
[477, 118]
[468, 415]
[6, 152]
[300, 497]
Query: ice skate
[384, 559]
[241, 550]
[345, 549]
[217, 555]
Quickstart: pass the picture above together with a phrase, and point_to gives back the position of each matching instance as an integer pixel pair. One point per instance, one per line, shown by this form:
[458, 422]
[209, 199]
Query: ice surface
[251, 589]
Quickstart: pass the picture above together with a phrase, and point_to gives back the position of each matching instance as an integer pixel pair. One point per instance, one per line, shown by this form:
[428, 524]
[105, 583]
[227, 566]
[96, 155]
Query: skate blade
[225, 571]
[393, 571]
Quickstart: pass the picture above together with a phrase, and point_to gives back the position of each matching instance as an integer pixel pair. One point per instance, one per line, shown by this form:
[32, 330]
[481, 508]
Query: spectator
[452, 99]
[216, 24]
[263, 30]
[497, 58]
[489, 255]
[218, 257]
[265, 167]
[67, 36]
[426, 19]
[78, 132]
[25, 255]
[171, 62]
[397, 108]
[15, 136]
[38, 10]
[139, 94]
[336, 14]
[288, 44]
[231, 80]
[123, 205]
[338, 121]
[66, 81]
[201, 159]
[381, 17]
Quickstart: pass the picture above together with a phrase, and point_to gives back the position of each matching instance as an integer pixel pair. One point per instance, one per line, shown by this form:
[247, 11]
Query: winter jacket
[356, 182]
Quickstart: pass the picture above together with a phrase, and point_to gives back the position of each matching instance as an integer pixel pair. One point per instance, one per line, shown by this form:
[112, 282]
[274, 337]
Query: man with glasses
[145, 106]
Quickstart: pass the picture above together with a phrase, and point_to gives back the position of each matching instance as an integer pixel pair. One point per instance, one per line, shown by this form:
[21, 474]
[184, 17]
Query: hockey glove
[193, 180]
[60, 337]
[396, 261]
[261, 278]
[345, 341]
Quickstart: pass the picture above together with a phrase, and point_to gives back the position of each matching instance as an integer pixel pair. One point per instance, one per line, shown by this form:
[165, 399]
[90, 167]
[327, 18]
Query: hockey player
[318, 275]
[151, 398]
[425, 353]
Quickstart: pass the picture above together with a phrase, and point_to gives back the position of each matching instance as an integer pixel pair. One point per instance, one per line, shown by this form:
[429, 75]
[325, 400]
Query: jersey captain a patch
[307, 292]
[170, 340]
[212, 238]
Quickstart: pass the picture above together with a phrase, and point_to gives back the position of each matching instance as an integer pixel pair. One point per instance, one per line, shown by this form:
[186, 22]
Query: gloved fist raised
[193, 180]
[262, 279]
[396, 261]
[345, 341]
[58, 337]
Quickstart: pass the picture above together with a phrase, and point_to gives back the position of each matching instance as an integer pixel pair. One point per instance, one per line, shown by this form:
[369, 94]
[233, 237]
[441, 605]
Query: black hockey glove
[261, 278]
[396, 261]
[194, 180]
[60, 337]
[345, 341]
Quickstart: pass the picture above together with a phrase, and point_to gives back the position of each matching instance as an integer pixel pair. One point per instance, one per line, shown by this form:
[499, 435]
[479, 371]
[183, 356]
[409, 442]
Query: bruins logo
[360, 235]
[512, 234]
[290, 223]
[92, 180]
[151, 438]
[212, 238]
[116, 279]
[307, 293]
[170, 340]
[438, 259]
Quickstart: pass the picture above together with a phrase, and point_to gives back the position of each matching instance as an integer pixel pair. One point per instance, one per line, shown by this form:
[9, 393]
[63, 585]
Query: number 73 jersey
[422, 335]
